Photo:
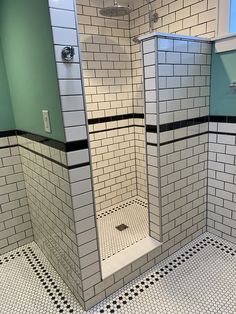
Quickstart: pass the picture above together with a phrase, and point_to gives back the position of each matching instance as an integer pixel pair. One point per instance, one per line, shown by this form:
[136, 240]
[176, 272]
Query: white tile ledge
[128, 256]
[225, 43]
[222, 37]
[174, 36]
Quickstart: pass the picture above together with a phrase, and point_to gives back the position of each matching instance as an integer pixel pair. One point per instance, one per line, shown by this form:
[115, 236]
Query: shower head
[115, 10]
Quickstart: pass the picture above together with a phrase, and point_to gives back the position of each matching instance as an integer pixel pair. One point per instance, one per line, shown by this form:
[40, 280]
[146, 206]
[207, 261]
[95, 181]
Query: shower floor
[131, 216]
[199, 278]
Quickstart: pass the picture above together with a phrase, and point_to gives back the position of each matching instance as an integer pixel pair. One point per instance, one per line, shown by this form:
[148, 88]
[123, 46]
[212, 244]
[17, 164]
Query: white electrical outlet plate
[46, 121]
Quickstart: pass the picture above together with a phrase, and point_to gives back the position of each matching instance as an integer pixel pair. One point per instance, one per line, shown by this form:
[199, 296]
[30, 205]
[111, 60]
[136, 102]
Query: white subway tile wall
[176, 149]
[64, 29]
[221, 218]
[113, 72]
[107, 65]
[15, 224]
[50, 202]
[113, 87]
[59, 184]
[185, 17]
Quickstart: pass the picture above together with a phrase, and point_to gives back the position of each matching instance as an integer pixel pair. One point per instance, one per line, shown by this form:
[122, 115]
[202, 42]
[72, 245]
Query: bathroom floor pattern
[132, 213]
[199, 278]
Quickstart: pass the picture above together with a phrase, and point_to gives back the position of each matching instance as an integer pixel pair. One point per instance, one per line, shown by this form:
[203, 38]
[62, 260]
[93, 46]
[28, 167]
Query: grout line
[129, 294]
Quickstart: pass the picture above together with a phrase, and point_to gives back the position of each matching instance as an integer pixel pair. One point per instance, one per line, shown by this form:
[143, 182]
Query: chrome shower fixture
[153, 16]
[115, 10]
[136, 40]
[67, 53]
[233, 86]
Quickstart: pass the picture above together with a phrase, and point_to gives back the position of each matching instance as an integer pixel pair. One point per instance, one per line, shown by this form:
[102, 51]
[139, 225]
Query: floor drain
[121, 227]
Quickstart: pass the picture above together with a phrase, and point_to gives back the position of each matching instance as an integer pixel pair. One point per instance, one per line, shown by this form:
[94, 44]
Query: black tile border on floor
[54, 293]
[10, 257]
[46, 280]
[127, 296]
[119, 207]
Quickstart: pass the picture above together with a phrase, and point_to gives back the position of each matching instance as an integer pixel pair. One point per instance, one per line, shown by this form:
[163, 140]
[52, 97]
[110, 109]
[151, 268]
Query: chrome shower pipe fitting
[67, 53]
[233, 86]
[153, 16]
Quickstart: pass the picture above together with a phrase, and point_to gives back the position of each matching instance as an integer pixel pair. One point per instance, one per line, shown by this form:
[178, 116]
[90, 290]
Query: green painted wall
[6, 115]
[223, 99]
[30, 65]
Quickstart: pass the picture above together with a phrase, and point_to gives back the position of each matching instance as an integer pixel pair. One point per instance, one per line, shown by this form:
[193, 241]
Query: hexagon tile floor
[199, 278]
[112, 240]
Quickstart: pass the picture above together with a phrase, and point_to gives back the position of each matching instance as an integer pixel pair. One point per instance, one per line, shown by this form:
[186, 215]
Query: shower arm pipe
[150, 11]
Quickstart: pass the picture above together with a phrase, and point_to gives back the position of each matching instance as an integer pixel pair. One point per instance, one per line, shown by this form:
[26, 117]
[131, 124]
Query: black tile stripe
[222, 133]
[9, 146]
[55, 161]
[183, 123]
[83, 144]
[178, 139]
[183, 138]
[116, 118]
[78, 166]
[77, 145]
[65, 147]
[118, 128]
[7, 133]
[177, 125]
[223, 119]
[123, 299]
[42, 139]
[151, 128]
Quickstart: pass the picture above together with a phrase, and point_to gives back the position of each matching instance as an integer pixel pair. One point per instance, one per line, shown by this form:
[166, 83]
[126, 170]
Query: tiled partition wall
[58, 175]
[48, 190]
[76, 243]
[186, 17]
[15, 223]
[105, 47]
[177, 89]
[222, 177]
